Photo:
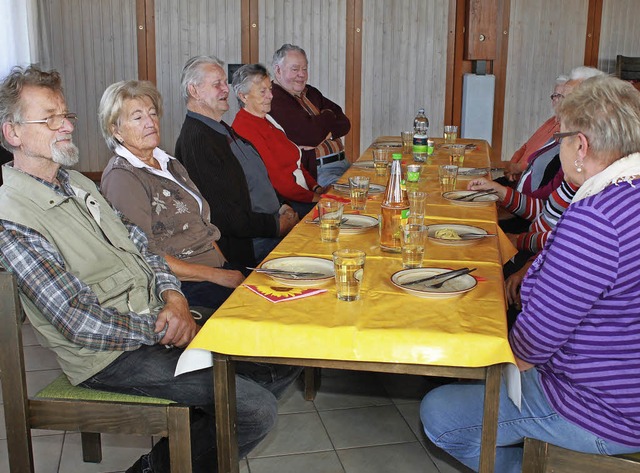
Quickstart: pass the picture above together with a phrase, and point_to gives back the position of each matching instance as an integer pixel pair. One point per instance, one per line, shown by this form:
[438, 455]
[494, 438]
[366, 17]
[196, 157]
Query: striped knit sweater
[544, 214]
[580, 322]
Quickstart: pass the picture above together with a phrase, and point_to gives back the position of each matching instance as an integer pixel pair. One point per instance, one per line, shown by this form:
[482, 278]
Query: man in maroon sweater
[310, 120]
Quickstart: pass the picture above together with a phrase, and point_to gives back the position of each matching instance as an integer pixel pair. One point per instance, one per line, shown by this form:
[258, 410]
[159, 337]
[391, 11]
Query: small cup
[359, 188]
[447, 174]
[417, 206]
[407, 142]
[431, 147]
[413, 172]
[381, 161]
[450, 133]
[330, 217]
[348, 265]
[456, 155]
[413, 237]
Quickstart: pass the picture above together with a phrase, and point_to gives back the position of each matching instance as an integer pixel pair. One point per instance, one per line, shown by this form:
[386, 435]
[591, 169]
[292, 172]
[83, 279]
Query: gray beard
[67, 156]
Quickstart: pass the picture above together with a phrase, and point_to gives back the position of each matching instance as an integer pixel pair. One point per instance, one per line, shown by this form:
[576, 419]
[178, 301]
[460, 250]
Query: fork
[475, 195]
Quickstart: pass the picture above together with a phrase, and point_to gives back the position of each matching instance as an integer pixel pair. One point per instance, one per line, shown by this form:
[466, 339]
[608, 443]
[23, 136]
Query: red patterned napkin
[281, 293]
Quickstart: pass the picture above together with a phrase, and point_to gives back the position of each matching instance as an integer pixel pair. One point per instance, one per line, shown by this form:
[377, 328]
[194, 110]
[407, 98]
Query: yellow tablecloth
[386, 324]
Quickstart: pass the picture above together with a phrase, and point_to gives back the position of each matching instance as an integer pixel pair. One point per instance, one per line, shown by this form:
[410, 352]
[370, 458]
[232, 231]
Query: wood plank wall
[404, 57]
[318, 27]
[185, 29]
[619, 33]
[92, 43]
[546, 40]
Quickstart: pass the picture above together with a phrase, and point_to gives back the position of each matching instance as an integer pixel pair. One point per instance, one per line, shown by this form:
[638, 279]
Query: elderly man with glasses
[111, 310]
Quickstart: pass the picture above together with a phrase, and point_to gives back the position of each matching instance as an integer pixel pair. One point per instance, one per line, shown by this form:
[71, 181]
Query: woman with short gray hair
[281, 156]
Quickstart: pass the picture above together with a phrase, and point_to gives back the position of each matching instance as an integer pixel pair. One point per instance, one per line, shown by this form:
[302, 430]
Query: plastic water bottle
[420, 136]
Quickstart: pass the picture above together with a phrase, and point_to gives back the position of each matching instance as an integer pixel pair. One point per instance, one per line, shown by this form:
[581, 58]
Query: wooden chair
[134, 415]
[628, 68]
[543, 457]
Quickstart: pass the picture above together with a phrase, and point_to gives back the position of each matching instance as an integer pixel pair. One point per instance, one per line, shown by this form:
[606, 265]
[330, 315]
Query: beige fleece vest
[95, 247]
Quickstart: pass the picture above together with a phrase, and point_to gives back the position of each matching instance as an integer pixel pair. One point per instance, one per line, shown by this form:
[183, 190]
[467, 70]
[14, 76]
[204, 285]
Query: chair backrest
[12, 369]
[81, 415]
[628, 68]
[543, 457]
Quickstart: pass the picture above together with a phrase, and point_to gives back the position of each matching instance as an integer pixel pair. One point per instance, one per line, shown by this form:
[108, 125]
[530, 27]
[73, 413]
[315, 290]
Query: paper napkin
[281, 293]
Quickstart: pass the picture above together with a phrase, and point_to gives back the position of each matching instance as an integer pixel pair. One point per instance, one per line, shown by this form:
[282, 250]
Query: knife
[285, 272]
[445, 275]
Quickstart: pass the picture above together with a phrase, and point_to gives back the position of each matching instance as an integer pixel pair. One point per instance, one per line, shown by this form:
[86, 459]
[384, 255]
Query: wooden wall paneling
[185, 29]
[500, 71]
[317, 26]
[92, 43]
[619, 32]
[404, 58]
[451, 49]
[542, 45]
[592, 39]
[460, 66]
[353, 80]
[480, 32]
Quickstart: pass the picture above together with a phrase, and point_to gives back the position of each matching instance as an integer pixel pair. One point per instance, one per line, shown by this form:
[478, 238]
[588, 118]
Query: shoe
[141, 466]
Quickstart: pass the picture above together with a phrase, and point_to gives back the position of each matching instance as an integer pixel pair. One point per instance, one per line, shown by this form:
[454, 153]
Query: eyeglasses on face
[54, 122]
[556, 96]
[557, 137]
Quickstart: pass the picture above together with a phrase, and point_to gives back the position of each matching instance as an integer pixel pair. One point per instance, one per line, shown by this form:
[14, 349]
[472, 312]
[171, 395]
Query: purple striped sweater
[580, 322]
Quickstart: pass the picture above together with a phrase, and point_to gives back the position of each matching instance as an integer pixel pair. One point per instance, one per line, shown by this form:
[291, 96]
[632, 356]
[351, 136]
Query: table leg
[224, 391]
[490, 419]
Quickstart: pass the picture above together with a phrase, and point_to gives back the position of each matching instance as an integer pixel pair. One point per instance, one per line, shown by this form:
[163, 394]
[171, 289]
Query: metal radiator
[477, 106]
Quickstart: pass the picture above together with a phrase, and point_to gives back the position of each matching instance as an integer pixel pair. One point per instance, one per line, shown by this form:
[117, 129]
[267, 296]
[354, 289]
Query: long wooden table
[387, 330]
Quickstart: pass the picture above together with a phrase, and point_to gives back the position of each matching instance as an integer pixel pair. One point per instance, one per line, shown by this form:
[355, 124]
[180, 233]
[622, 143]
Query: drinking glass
[348, 265]
[413, 238]
[456, 155]
[450, 133]
[359, 188]
[330, 217]
[447, 174]
[381, 161]
[407, 142]
[417, 206]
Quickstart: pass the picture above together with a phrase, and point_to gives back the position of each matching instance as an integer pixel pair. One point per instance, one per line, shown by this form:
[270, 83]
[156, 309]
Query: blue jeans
[330, 173]
[262, 246]
[452, 419]
[148, 371]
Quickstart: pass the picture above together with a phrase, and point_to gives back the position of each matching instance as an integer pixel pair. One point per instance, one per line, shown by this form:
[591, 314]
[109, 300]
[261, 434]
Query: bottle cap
[397, 156]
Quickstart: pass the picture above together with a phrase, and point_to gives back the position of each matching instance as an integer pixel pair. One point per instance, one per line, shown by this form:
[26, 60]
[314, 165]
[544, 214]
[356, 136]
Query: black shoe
[141, 466]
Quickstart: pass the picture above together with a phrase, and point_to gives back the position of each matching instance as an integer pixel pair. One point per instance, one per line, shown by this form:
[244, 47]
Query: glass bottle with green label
[394, 210]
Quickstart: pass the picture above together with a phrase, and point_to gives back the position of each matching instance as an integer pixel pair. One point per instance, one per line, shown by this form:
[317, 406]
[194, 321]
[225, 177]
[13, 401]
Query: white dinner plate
[478, 202]
[304, 264]
[472, 173]
[387, 144]
[367, 164]
[460, 230]
[355, 223]
[374, 189]
[451, 288]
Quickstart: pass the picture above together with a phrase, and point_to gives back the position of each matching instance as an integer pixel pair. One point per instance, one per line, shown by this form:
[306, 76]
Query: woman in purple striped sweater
[577, 340]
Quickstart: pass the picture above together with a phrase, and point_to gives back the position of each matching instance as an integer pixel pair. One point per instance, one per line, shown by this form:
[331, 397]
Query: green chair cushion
[61, 388]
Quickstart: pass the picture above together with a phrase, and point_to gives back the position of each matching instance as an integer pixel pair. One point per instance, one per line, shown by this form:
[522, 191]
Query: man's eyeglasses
[55, 122]
[557, 137]
[556, 96]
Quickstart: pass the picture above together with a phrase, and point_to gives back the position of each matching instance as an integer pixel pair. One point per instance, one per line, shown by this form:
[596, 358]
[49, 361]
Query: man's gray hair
[11, 89]
[607, 111]
[280, 54]
[192, 72]
[244, 77]
[584, 72]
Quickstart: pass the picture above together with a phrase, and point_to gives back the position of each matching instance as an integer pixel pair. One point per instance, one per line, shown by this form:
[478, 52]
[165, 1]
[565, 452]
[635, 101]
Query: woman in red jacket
[281, 156]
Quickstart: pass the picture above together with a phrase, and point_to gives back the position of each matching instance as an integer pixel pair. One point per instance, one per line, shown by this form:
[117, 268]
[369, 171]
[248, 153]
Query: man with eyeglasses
[111, 310]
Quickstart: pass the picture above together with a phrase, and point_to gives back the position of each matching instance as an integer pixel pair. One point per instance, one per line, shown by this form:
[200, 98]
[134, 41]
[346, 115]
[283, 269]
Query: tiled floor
[359, 422]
